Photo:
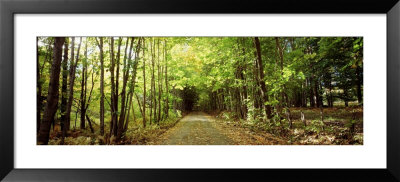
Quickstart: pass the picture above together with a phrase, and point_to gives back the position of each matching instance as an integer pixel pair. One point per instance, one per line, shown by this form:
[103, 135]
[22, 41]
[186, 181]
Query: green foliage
[316, 126]
[217, 74]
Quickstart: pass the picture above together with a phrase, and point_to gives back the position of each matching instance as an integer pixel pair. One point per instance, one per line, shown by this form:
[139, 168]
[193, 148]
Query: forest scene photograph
[199, 91]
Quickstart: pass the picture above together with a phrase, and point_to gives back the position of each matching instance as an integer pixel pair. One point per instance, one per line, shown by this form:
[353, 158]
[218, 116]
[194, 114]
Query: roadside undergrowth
[135, 135]
[340, 126]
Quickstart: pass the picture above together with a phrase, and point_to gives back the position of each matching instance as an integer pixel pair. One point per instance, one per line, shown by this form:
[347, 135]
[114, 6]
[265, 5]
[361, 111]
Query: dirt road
[195, 129]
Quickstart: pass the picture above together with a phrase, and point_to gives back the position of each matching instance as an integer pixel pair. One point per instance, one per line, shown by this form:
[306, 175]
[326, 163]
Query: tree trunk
[166, 80]
[40, 99]
[153, 82]
[53, 93]
[283, 94]
[72, 70]
[261, 81]
[144, 86]
[83, 90]
[346, 101]
[140, 105]
[255, 91]
[132, 86]
[90, 123]
[152, 89]
[321, 112]
[100, 44]
[129, 110]
[303, 119]
[159, 72]
[64, 93]
[312, 100]
[116, 89]
[329, 97]
[316, 93]
[125, 75]
[244, 87]
[114, 103]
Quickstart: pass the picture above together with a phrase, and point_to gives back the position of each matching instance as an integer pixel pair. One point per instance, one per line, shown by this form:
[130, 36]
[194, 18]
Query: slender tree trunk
[151, 83]
[244, 87]
[64, 93]
[129, 109]
[316, 93]
[144, 86]
[154, 96]
[346, 101]
[90, 123]
[72, 70]
[255, 91]
[312, 100]
[100, 44]
[114, 104]
[261, 81]
[76, 117]
[328, 84]
[159, 72]
[132, 85]
[125, 75]
[140, 105]
[113, 111]
[90, 95]
[283, 94]
[116, 99]
[53, 93]
[280, 55]
[166, 80]
[152, 90]
[303, 119]
[83, 90]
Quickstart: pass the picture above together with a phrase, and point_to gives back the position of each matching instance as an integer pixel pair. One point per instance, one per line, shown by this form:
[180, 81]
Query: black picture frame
[9, 8]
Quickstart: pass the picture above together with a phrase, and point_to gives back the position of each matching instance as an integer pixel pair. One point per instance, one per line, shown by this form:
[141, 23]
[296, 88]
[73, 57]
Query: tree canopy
[116, 86]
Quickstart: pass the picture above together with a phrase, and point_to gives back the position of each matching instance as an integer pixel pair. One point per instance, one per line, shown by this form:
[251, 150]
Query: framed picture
[144, 91]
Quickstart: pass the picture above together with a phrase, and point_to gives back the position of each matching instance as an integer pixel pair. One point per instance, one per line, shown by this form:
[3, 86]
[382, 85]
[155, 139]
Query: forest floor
[244, 135]
[199, 128]
[222, 128]
[336, 129]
